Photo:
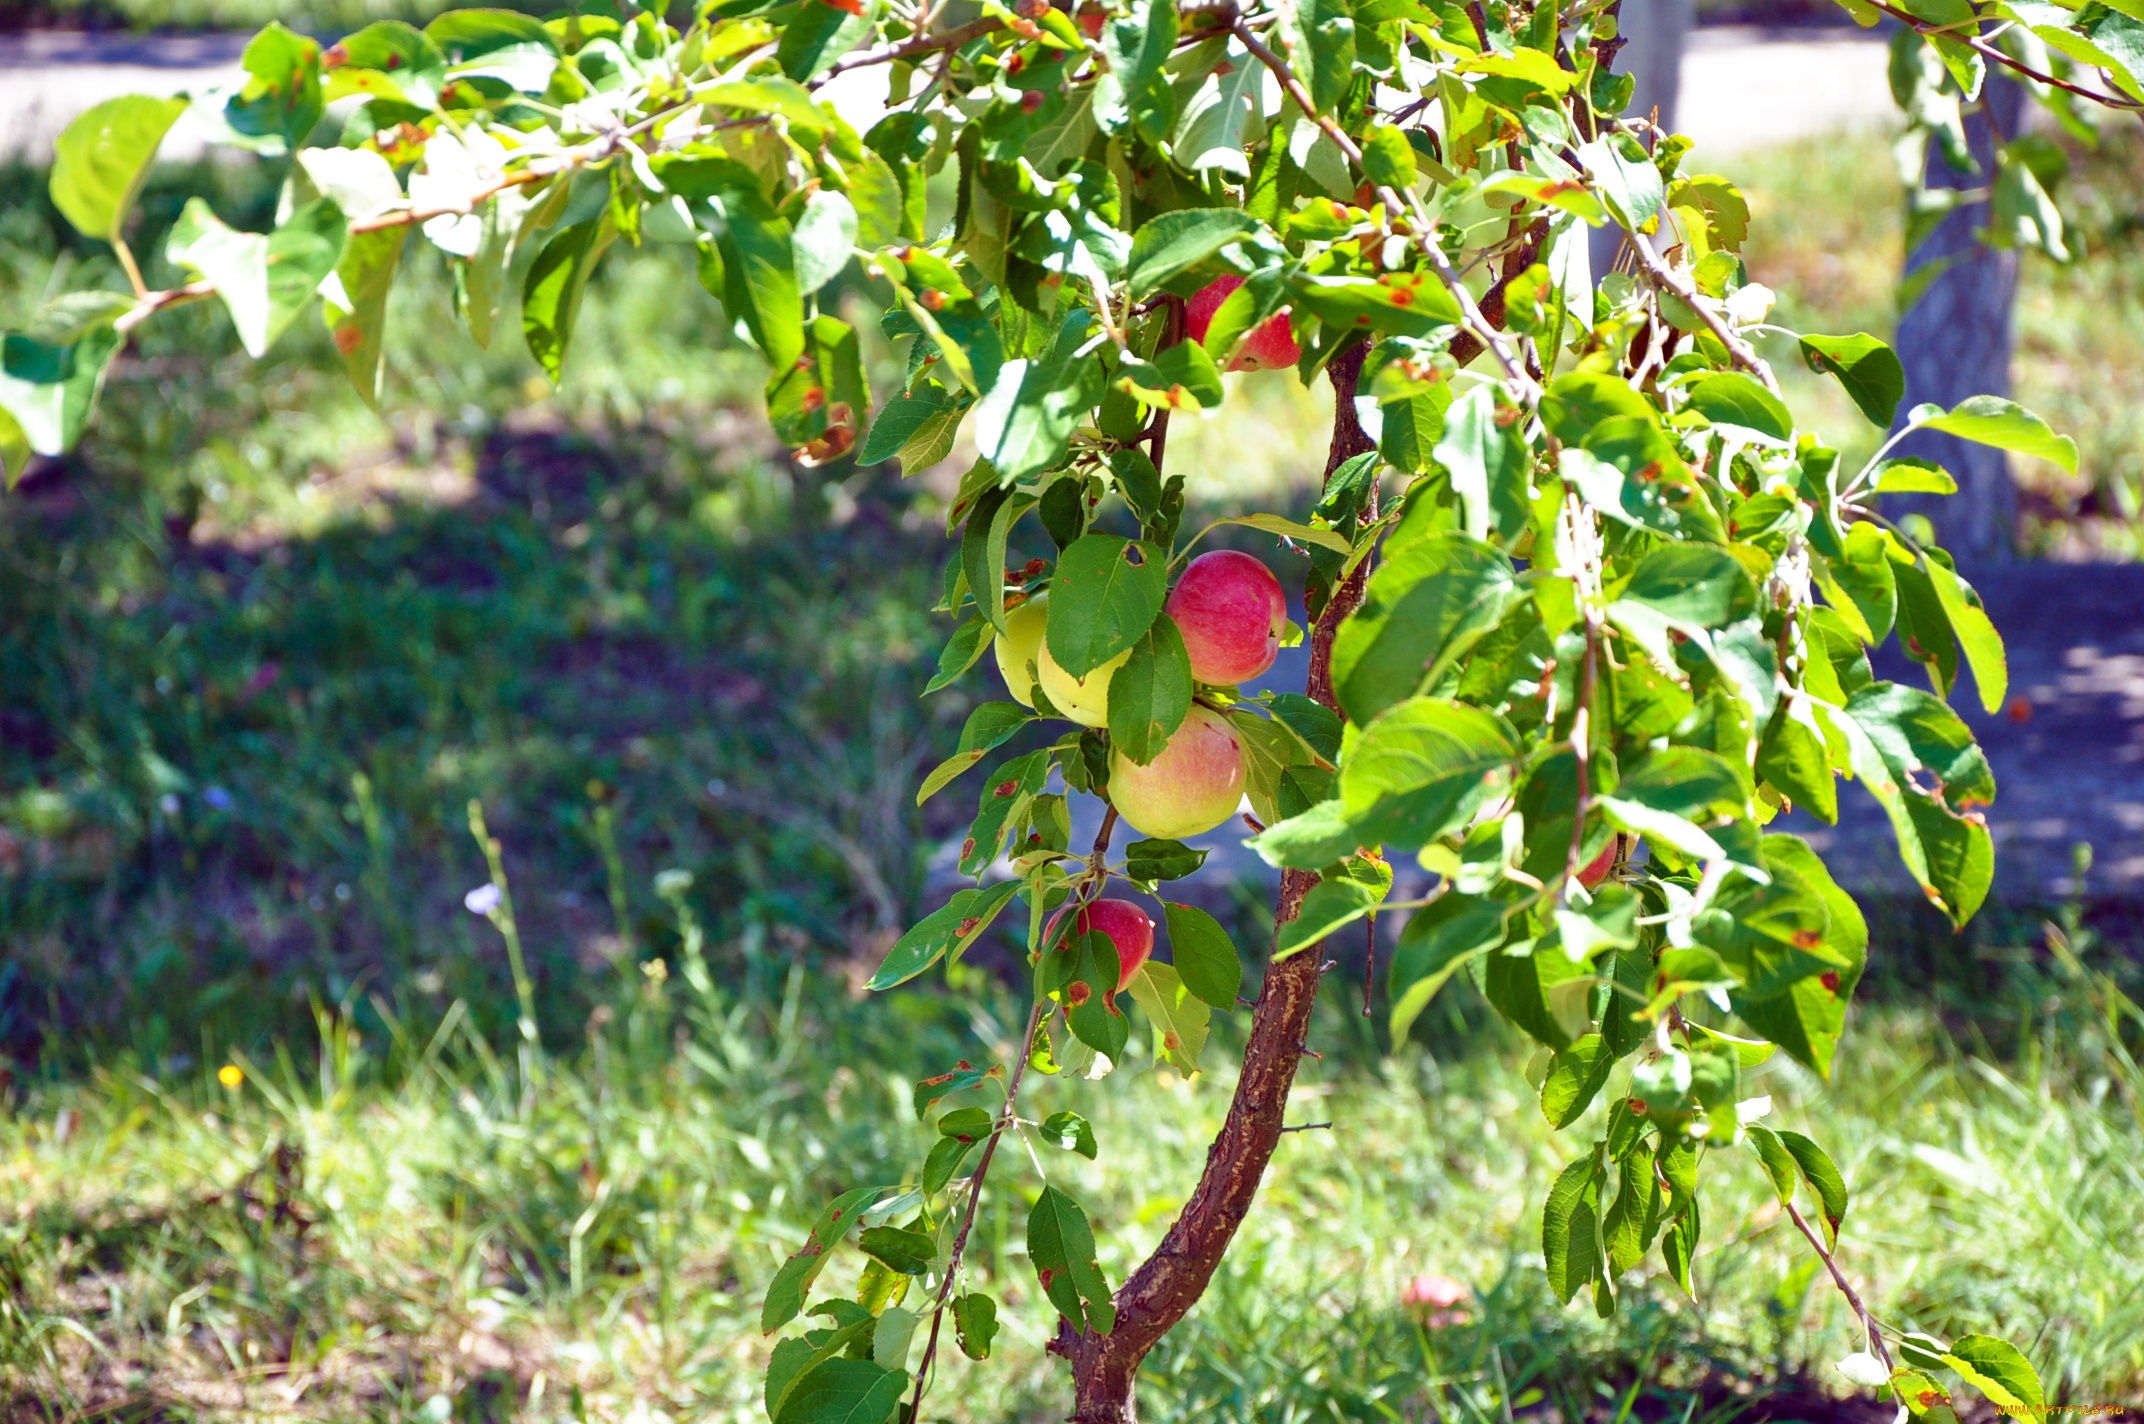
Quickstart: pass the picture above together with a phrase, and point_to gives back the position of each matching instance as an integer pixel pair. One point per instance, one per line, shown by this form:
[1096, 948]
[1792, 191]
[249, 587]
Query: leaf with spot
[1869, 370]
[987, 727]
[786, 1292]
[1106, 594]
[1179, 1018]
[1061, 1246]
[949, 929]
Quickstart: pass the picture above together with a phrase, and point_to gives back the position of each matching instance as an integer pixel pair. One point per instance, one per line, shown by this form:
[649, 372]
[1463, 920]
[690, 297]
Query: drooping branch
[1665, 280]
[1985, 50]
[1170, 1282]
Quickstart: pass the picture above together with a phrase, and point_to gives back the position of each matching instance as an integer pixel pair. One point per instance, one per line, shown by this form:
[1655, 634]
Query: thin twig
[975, 1186]
[1868, 1322]
[1658, 273]
[918, 44]
[1989, 51]
[153, 302]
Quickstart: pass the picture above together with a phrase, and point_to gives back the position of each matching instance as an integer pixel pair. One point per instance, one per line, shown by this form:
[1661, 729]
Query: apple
[1128, 928]
[1594, 873]
[1084, 699]
[1268, 348]
[1230, 610]
[1020, 646]
[1194, 785]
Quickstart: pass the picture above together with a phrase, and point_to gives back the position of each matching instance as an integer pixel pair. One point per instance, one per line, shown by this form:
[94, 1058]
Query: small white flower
[482, 900]
[1750, 305]
[1864, 1369]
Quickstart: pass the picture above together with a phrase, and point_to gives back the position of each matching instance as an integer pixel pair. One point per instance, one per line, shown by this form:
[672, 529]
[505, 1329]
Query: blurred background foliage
[262, 645]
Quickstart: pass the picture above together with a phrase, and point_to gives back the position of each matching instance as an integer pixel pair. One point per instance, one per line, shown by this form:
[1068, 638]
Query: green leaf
[759, 277]
[1629, 1226]
[1071, 1132]
[1632, 189]
[1320, 36]
[1106, 594]
[1179, 1016]
[910, 1253]
[975, 1323]
[1570, 1228]
[1861, 587]
[496, 44]
[1999, 1370]
[1182, 378]
[391, 60]
[15, 449]
[1161, 860]
[786, 1292]
[844, 1391]
[1388, 158]
[1205, 957]
[265, 280]
[775, 95]
[1061, 1247]
[952, 926]
[931, 1091]
[1916, 731]
[1975, 632]
[1779, 1163]
[102, 157]
[1868, 369]
[1823, 1177]
[1150, 695]
[907, 419]
[1489, 465]
[1421, 612]
[1423, 768]
[961, 650]
[1793, 757]
[1575, 1077]
[1577, 401]
[1025, 420]
[2006, 425]
[551, 294]
[1171, 243]
[281, 100]
[354, 305]
[876, 193]
[1397, 303]
[825, 238]
[794, 1358]
[815, 404]
[1137, 44]
[818, 34]
[987, 727]
[1437, 941]
[1317, 535]
[1541, 993]
[1332, 904]
[48, 390]
[1909, 476]
[1732, 398]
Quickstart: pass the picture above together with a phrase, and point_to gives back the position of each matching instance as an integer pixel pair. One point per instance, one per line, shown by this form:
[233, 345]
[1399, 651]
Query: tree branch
[1170, 1282]
[1838, 1278]
[917, 44]
[1986, 50]
[1480, 325]
[1664, 280]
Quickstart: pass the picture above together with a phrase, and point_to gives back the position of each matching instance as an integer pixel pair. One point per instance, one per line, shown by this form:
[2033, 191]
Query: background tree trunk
[1955, 342]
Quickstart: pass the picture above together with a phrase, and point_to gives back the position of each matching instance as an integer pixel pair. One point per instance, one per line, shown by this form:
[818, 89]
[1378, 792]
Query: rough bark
[1955, 342]
[1105, 1367]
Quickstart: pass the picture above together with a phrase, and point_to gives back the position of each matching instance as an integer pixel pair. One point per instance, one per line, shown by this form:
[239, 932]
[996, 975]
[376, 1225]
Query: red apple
[1268, 348]
[1194, 785]
[1597, 871]
[1128, 929]
[1231, 612]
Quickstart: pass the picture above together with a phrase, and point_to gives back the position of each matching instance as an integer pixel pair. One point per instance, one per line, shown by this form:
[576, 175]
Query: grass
[398, 1226]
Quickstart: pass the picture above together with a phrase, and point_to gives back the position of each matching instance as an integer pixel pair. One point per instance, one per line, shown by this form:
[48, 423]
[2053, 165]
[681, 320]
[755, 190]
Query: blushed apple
[1597, 871]
[1194, 785]
[1084, 699]
[1128, 928]
[1268, 348]
[1230, 609]
[1019, 648]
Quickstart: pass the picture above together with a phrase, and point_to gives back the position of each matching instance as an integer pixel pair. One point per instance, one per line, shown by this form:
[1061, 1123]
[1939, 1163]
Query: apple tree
[1589, 604]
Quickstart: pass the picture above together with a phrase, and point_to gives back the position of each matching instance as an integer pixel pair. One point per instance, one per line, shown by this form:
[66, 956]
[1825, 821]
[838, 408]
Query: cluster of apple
[1229, 608]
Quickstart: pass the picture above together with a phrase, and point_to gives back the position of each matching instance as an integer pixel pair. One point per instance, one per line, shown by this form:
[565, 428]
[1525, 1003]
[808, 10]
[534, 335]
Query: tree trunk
[1105, 1368]
[1955, 342]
